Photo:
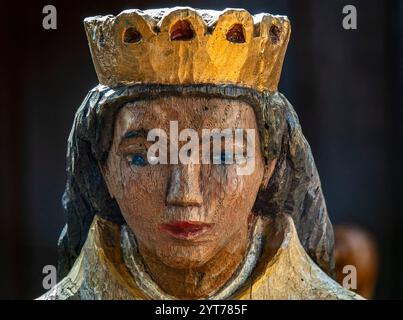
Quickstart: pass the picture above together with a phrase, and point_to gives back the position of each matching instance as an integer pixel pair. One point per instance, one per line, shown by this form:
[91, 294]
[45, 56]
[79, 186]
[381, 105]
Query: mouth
[185, 229]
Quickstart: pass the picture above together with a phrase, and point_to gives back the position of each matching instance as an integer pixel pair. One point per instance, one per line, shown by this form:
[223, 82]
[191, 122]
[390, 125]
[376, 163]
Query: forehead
[190, 112]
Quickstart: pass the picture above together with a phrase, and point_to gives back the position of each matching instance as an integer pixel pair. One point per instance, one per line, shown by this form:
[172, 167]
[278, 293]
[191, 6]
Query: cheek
[230, 183]
[140, 194]
[232, 196]
[229, 193]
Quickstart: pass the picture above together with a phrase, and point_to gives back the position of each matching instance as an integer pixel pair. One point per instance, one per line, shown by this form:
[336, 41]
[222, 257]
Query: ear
[268, 173]
[105, 174]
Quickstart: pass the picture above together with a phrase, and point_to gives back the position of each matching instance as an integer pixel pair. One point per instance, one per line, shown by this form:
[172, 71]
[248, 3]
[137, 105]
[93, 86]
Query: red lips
[185, 229]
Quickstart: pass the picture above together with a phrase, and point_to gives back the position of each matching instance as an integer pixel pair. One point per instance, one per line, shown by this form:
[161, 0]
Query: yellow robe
[283, 269]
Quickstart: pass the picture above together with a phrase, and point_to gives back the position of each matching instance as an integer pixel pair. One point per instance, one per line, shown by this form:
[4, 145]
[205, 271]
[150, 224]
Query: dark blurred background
[346, 87]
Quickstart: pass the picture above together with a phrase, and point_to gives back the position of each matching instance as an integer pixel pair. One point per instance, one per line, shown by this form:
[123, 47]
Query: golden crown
[187, 46]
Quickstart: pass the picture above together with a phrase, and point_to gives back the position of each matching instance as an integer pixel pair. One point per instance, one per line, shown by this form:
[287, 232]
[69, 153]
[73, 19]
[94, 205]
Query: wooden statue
[141, 227]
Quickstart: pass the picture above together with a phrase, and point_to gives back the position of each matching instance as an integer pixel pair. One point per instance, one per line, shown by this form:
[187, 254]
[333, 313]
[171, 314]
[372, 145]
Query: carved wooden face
[183, 214]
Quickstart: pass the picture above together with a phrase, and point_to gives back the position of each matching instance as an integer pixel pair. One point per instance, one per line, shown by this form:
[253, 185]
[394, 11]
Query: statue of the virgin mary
[144, 229]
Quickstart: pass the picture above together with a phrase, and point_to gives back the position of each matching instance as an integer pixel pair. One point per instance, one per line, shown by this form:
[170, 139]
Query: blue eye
[138, 160]
[223, 158]
[226, 158]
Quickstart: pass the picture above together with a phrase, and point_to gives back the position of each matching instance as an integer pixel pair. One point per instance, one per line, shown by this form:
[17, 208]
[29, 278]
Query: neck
[202, 281]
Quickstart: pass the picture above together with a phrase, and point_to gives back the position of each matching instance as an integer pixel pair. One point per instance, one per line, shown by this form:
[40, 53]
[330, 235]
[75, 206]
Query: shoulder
[286, 271]
[66, 289]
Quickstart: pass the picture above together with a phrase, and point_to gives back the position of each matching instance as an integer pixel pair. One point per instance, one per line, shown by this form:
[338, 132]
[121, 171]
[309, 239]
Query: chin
[185, 257]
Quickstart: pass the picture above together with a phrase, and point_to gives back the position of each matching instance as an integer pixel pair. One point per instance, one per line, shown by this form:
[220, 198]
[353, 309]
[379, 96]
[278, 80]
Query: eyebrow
[133, 134]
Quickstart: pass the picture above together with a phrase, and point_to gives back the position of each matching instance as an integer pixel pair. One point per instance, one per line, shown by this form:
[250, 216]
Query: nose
[184, 189]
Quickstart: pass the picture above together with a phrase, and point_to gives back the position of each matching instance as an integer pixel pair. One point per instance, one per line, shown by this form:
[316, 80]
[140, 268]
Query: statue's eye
[138, 160]
[223, 158]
